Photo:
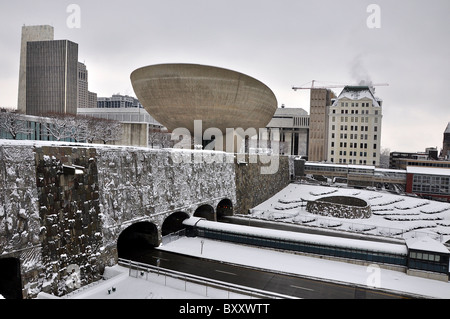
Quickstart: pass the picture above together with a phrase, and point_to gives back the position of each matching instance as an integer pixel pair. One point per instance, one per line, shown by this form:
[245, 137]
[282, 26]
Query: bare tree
[80, 128]
[159, 138]
[57, 125]
[11, 121]
[103, 130]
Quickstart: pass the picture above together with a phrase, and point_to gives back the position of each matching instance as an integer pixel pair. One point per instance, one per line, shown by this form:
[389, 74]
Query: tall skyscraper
[83, 92]
[446, 144]
[29, 33]
[51, 77]
[86, 99]
[320, 101]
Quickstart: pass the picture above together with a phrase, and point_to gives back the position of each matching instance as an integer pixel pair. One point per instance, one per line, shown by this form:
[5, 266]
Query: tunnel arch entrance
[206, 212]
[136, 238]
[10, 278]
[174, 223]
[224, 208]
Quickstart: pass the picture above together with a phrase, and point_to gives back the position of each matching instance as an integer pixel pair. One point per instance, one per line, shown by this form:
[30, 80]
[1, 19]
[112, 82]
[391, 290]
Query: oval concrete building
[178, 94]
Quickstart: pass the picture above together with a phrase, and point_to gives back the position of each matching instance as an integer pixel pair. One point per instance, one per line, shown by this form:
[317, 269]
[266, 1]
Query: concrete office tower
[29, 33]
[354, 135]
[52, 81]
[446, 144]
[318, 125]
[86, 99]
[83, 92]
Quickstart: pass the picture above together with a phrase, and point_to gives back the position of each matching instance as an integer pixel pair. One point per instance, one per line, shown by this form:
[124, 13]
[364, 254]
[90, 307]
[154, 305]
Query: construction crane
[295, 88]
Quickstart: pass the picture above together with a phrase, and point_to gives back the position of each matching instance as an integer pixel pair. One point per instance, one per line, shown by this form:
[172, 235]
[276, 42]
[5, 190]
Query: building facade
[29, 33]
[429, 182]
[446, 144]
[320, 101]
[290, 127]
[86, 99]
[83, 92]
[51, 77]
[354, 134]
[118, 101]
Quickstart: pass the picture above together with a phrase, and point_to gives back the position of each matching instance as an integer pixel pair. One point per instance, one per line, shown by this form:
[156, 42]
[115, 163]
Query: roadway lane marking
[226, 272]
[293, 286]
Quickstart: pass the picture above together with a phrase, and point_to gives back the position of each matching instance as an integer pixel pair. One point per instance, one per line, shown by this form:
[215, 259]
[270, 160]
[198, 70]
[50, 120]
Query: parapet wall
[340, 207]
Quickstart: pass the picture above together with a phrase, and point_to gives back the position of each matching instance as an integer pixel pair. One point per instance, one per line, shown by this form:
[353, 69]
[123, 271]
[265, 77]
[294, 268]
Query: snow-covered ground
[159, 287]
[309, 266]
[147, 286]
[392, 215]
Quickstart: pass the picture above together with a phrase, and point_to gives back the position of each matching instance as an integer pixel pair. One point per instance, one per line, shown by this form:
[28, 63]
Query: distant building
[125, 115]
[139, 127]
[118, 101]
[290, 127]
[446, 144]
[92, 100]
[320, 102]
[51, 77]
[29, 33]
[354, 129]
[429, 182]
[86, 99]
[429, 158]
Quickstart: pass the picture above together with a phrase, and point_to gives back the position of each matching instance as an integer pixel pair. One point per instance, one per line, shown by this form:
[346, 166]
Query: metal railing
[173, 236]
[141, 270]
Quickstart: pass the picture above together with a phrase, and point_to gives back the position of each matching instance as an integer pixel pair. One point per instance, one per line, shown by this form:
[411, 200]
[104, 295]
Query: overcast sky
[282, 43]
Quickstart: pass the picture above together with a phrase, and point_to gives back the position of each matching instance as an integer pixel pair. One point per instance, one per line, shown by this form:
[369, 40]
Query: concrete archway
[136, 238]
[224, 208]
[205, 211]
[174, 223]
[10, 278]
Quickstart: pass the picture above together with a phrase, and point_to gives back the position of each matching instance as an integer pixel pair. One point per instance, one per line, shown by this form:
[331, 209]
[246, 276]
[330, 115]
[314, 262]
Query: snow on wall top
[426, 243]
[365, 245]
[428, 170]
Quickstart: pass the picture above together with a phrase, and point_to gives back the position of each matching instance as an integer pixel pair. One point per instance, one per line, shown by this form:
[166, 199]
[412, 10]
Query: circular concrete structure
[340, 207]
[178, 94]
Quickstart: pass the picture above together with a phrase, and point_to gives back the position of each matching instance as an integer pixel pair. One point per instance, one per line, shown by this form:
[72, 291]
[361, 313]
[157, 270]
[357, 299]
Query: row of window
[354, 145]
[354, 128]
[353, 161]
[354, 119]
[355, 104]
[306, 248]
[425, 256]
[431, 184]
[344, 136]
[354, 112]
[353, 153]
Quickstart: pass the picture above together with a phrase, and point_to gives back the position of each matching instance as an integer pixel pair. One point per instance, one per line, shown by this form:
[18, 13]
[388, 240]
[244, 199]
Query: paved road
[264, 280]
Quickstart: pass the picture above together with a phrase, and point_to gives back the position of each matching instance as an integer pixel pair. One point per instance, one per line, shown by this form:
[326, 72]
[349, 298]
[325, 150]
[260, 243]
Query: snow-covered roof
[428, 170]
[291, 111]
[331, 241]
[427, 243]
[358, 93]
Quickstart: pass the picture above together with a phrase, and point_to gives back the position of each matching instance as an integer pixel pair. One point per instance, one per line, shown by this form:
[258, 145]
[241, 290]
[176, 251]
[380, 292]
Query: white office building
[354, 135]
